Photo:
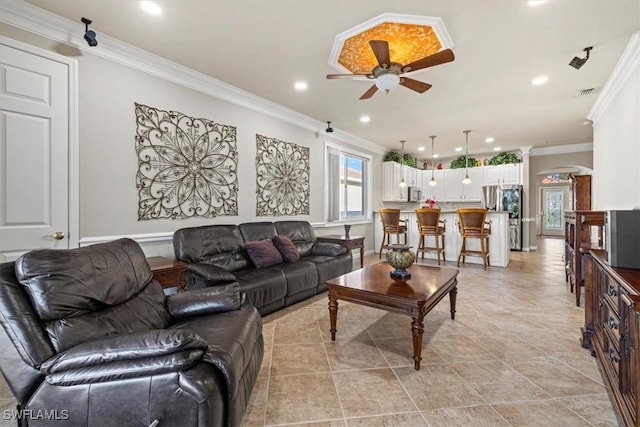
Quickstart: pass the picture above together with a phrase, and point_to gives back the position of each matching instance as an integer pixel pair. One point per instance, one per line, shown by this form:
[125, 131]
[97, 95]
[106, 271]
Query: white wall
[108, 161]
[616, 137]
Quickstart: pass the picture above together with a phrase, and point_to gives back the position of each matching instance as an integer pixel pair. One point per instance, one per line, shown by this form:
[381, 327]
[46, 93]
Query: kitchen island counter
[499, 248]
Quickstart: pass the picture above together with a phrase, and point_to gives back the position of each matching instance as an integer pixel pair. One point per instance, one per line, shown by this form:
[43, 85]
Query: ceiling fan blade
[441, 57]
[381, 51]
[416, 85]
[368, 94]
[347, 76]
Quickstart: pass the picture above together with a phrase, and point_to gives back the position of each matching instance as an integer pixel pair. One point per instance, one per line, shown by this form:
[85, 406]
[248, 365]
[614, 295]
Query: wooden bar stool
[472, 223]
[430, 225]
[391, 224]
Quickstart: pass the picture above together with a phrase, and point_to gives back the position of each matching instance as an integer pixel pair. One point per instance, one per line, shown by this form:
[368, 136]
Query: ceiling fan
[388, 74]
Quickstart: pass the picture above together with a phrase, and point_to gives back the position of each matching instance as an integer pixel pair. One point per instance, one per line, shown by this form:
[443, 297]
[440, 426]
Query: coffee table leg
[417, 328]
[333, 316]
[452, 301]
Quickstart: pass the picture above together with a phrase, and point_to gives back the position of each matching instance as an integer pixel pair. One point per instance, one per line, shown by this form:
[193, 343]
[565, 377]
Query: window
[348, 184]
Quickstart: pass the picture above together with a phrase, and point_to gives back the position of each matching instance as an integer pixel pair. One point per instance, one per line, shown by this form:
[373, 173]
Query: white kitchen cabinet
[412, 177]
[492, 175]
[392, 174]
[473, 192]
[510, 174]
[453, 185]
[436, 193]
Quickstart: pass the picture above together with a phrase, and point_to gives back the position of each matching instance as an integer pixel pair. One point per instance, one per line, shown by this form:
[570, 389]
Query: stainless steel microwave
[414, 194]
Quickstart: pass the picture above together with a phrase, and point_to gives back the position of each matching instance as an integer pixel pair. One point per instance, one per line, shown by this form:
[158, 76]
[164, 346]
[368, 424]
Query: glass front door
[553, 201]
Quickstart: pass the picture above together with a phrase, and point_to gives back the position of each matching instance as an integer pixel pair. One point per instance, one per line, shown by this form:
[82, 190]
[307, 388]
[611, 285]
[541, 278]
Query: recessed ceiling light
[496, 148]
[300, 86]
[535, 2]
[540, 80]
[435, 156]
[489, 140]
[458, 149]
[420, 148]
[365, 119]
[151, 7]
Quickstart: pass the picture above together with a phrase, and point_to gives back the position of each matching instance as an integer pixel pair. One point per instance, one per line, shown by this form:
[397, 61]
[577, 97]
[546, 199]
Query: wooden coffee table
[372, 286]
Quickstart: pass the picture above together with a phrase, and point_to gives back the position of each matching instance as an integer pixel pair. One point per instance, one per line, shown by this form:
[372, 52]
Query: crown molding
[627, 64]
[561, 149]
[33, 19]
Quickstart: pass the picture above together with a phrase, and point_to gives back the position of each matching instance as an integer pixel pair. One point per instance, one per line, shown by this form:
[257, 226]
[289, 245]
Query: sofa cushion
[328, 249]
[196, 244]
[257, 231]
[86, 293]
[72, 282]
[300, 276]
[263, 253]
[262, 287]
[300, 232]
[232, 338]
[287, 249]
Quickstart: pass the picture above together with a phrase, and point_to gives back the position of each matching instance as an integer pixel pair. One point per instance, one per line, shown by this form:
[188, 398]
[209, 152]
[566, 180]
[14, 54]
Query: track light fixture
[329, 128]
[89, 35]
[579, 62]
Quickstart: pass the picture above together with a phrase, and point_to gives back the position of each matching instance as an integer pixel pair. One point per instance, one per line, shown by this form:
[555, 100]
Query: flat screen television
[622, 238]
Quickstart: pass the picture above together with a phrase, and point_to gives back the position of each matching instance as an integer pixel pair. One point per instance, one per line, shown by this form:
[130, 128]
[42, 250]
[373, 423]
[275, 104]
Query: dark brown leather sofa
[216, 255]
[88, 338]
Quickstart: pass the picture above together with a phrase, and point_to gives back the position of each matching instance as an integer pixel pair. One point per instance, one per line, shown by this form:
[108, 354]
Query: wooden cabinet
[578, 240]
[580, 192]
[612, 324]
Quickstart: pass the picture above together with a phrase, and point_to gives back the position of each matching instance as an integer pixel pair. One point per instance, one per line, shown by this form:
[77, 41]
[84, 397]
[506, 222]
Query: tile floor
[512, 357]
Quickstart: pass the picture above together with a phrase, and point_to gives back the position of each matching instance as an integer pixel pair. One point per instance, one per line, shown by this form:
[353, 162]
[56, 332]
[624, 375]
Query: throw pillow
[286, 248]
[263, 253]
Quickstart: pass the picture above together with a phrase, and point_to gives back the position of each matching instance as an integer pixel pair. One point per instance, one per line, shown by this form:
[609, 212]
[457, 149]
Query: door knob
[58, 235]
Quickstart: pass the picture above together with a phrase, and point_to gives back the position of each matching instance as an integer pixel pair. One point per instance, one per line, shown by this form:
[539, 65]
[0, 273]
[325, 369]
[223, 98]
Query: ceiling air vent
[585, 92]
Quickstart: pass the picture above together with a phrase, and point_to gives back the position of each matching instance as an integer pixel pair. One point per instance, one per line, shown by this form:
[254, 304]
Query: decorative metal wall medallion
[282, 170]
[186, 166]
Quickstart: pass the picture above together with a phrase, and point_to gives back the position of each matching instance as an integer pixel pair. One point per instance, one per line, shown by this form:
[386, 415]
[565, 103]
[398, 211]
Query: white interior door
[34, 151]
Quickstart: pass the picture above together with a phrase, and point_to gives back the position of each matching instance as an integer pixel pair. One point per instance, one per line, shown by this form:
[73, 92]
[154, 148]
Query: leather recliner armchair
[88, 338]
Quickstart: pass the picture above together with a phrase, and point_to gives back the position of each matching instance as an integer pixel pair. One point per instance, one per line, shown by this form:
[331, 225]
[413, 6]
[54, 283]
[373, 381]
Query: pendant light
[433, 181]
[402, 182]
[466, 179]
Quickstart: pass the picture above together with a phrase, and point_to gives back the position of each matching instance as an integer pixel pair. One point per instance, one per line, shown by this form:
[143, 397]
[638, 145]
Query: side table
[349, 242]
[168, 272]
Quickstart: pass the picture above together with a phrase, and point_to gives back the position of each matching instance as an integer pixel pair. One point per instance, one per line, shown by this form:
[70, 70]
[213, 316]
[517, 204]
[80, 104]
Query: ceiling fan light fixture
[387, 81]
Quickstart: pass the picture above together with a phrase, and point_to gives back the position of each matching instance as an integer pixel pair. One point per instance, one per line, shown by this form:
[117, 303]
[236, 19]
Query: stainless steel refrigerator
[510, 200]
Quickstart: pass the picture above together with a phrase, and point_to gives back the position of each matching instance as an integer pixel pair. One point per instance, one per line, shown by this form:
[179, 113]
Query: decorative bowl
[400, 257]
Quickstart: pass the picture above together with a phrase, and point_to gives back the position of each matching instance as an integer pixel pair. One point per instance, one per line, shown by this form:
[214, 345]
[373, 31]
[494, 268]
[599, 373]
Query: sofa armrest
[215, 299]
[134, 348]
[328, 249]
[212, 275]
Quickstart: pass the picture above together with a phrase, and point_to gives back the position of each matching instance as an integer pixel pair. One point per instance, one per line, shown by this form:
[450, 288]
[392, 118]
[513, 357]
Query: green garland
[459, 163]
[504, 158]
[394, 156]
